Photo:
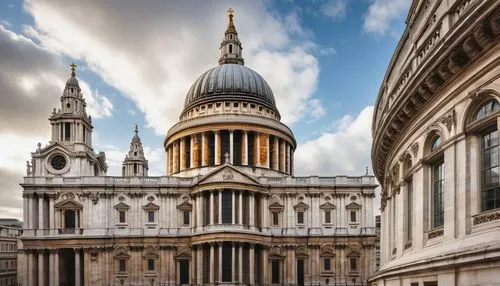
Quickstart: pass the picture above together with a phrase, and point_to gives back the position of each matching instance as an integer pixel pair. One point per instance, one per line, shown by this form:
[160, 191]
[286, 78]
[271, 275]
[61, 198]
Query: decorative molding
[448, 120]
[408, 245]
[484, 218]
[435, 233]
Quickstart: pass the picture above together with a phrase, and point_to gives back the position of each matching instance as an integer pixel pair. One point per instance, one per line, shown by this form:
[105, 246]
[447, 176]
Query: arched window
[436, 142]
[490, 156]
[230, 48]
[436, 186]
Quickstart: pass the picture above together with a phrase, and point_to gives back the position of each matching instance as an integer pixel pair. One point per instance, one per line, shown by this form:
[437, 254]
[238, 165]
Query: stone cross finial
[136, 130]
[226, 158]
[73, 68]
[366, 173]
[230, 11]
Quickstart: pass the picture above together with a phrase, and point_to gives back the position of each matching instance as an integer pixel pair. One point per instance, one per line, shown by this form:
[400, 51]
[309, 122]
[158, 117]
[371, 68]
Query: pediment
[151, 207]
[53, 147]
[276, 206]
[68, 205]
[301, 206]
[327, 206]
[353, 205]
[122, 206]
[327, 250]
[185, 206]
[228, 174]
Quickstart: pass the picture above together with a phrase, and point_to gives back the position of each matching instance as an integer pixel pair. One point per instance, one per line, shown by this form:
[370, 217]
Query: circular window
[58, 162]
[68, 105]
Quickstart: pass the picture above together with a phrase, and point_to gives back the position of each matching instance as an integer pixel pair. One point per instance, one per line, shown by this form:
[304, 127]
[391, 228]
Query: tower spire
[230, 47]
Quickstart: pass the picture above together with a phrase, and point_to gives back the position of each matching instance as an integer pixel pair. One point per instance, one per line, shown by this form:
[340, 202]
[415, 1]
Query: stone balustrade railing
[179, 182]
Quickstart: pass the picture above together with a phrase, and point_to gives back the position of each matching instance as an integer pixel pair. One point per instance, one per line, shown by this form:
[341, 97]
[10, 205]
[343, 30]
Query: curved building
[228, 212]
[436, 148]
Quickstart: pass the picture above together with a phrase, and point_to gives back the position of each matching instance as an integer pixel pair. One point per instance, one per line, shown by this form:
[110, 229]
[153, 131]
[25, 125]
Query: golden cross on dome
[73, 68]
[230, 11]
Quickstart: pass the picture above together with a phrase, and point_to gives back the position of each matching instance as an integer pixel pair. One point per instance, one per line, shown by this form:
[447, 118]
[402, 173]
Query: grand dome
[230, 81]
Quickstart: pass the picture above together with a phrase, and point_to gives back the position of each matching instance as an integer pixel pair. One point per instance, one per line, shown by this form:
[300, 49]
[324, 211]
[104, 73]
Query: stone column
[30, 280]
[264, 150]
[244, 148]
[176, 156]
[55, 266]
[240, 263]
[41, 268]
[251, 214]
[219, 262]
[199, 266]
[77, 268]
[240, 208]
[167, 153]
[199, 210]
[256, 148]
[251, 255]
[265, 211]
[212, 211]
[231, 146]
[204, 149]
[51, 215]
[211, 263]
[217, 147]
[276, 147]
[282, 156]
[233, 205]
[195, 148]
[40, 212]
[25, 211]
[265, 266]
[191, 151]
[233, 262]
[287, 164]
[219, 214]
[183, 153]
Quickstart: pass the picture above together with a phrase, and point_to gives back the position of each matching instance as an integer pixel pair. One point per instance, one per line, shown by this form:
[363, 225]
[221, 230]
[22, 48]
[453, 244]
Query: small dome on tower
[72, 81]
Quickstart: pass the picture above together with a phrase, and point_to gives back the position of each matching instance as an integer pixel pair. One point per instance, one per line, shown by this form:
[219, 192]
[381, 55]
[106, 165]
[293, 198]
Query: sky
[136, 60]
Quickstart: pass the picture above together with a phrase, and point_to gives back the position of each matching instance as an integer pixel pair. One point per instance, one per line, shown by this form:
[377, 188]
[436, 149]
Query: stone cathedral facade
[229, 210]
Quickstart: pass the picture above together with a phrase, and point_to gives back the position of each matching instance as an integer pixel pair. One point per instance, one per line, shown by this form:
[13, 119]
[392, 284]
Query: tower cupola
[230, 47]
[135, 163]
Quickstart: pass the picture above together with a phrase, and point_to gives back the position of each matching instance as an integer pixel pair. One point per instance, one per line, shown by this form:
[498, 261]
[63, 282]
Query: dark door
[69, 219]
[184, 271]
[300, 272]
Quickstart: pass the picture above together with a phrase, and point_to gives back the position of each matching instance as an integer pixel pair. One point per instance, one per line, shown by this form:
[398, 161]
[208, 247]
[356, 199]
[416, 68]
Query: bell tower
[230, 47]
[71, 126]
[135, 164]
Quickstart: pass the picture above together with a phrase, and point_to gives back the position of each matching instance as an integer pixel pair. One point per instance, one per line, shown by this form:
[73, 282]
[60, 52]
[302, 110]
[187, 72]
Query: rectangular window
[328, 216]
[353, 216]
[437, 194]
[409, 206]
[67, 131]
[275, 271]
[276, 221]
[326, 263]
[122, 265]
[490, 189]
[151, 265]
[354, 264]
[300, 217]
[151, 216]
[227, 207]
[122, 216]
[83, 134]
[185, 218]
[226, 263]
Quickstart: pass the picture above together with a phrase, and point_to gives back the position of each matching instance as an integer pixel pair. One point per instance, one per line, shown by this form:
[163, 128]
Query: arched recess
[476, 102]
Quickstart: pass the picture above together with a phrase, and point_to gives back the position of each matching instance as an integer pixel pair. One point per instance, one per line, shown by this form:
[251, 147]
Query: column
[25, 211]
[77, 267]
[220, 262]
[55, 267]
[176, 156]
[199, 266]
[212, 211]
[167, 153]
[256, 148]
[41, 272]
[231, 147]
[251, 211]
[264, 149]
[40, 212]
[287, 154]
[265, 265]
[191, 151]
[233, 262]
[204, 149]
[51, 215]
[211, 263]
[233, 204]
[240, 263]
[265, 211]
[244, 148]
[30, 280]
[183, 153]
[240, 208]
[276, 147]
[217, 147]
[200, 214]
[282, 156]
[219, 214]
[251, 264]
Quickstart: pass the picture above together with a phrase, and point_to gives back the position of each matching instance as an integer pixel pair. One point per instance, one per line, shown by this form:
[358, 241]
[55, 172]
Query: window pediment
[327, 251]
[275, 253]
[327, 206]
[353, 206]
[185, 206]
[301, 206]
[121, 252]
[122, 206]
[354, 254]
[276, 206]
[68, 205]
[151, 207]
[301, 252]
[183, 252]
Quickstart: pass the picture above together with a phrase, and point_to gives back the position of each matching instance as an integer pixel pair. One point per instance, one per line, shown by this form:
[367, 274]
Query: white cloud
[345, 150]
[380, 14]
[316, 108]
[154, 59]
[327, 51]
[335, 9]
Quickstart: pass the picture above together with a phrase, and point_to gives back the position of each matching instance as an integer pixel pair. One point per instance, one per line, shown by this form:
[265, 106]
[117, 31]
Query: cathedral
[229, 209]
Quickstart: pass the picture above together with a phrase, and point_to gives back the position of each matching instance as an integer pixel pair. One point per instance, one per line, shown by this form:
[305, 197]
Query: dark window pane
[151, 216]
[328, 217]
[186, 217]
[353, 216]
[227, 207]
[226, 263]
[275, 269]
[326, 262]
[354, 265]
[300, 217]
[122, 265]
[151, 264]
[122, 216]
[275, 218]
